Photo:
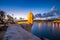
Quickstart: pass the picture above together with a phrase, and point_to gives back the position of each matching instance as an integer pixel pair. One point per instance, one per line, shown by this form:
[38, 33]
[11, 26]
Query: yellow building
[30, 18]
[57, 20]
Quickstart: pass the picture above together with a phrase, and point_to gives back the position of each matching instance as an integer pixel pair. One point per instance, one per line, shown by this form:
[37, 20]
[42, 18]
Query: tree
[2, 16]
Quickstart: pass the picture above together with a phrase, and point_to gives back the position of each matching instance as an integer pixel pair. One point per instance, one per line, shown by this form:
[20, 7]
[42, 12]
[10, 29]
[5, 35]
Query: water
[47, 30]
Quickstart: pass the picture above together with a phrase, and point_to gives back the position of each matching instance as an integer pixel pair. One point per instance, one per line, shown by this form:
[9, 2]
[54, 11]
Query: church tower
[30, 18]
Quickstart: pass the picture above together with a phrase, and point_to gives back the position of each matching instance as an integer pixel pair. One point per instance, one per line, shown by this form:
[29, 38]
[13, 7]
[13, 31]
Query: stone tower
[30, 18]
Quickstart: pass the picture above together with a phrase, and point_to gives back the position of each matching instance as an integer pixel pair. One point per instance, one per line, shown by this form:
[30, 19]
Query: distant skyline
[21, 8]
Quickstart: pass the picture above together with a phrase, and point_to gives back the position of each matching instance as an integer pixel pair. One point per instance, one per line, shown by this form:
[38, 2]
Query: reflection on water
[50, 30]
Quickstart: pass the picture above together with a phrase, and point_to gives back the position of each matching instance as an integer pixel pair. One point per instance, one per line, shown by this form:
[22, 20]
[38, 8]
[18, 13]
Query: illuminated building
[30, 18]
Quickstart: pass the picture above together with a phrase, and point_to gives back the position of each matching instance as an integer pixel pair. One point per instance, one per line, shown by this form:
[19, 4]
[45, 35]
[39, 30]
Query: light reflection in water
[50, 30]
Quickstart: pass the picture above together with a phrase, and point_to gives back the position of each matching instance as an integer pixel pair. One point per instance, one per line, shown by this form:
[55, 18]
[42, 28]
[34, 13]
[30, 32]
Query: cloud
[38, 15]
[53, 13]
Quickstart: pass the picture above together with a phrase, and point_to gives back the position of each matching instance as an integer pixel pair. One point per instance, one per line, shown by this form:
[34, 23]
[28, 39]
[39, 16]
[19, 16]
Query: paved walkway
[16, 32]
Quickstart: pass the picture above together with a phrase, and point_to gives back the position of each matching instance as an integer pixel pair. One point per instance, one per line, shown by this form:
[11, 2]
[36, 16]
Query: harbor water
[47, 30]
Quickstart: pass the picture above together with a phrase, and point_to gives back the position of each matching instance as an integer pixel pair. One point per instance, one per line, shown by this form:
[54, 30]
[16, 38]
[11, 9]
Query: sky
[21, 8]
